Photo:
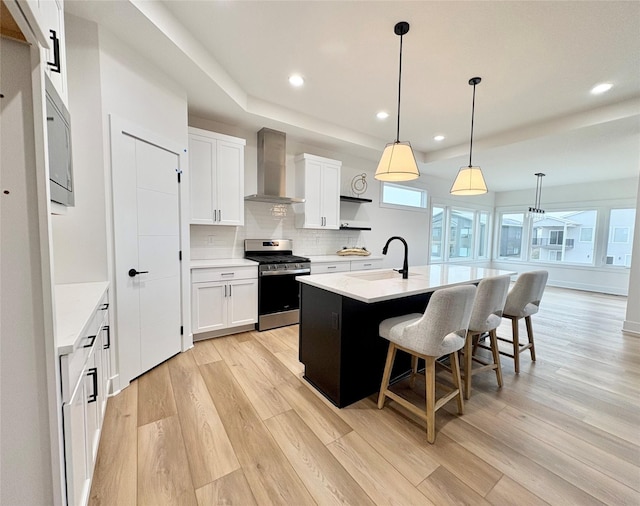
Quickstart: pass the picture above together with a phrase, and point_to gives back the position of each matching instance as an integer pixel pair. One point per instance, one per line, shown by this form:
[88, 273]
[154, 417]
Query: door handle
[133, 273]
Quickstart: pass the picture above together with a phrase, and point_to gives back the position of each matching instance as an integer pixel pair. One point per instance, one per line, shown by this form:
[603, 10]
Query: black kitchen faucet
[405, 265]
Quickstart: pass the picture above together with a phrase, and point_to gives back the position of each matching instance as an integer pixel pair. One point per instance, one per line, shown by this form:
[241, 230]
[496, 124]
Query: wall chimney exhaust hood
[272, 181]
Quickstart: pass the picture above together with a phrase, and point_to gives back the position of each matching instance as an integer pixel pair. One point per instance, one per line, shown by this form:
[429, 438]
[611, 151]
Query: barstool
[523, 301]
[485, 317]
[440, 331]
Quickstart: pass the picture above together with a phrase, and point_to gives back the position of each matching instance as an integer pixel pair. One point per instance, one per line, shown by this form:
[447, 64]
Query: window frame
[448, 207]
[424, 208]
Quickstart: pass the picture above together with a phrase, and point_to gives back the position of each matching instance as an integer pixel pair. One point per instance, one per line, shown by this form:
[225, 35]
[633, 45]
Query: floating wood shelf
[355, 228]
[347, 198]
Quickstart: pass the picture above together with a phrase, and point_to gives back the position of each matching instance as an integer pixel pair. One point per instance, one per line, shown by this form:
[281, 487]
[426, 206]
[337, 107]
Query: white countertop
[75, 303]
[341, 258]
[222, 262]
[385, 284]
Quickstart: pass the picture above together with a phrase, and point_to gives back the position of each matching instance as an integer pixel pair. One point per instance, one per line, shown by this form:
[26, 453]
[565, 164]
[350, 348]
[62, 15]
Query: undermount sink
[377, 275]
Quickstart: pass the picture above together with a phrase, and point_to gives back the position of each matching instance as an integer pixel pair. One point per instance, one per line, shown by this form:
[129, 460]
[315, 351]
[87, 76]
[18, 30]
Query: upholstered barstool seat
[486, 317]
[440, 331]
[522, 302]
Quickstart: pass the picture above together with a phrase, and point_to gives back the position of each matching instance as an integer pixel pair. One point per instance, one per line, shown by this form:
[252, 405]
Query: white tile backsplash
[268, 221]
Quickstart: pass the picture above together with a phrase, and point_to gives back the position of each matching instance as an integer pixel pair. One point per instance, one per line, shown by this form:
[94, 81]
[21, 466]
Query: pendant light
[536, 207]
[470, 180]
[398, 162]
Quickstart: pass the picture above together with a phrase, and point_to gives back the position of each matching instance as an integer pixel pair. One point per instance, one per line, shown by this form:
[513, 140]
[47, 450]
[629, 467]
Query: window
[460, 236]
[555, 237]
[620, 234]
[586, 234]
[437, 219]
[396, 195]
[483, 234]
[563, 236]
[510, 235]
[621, 225]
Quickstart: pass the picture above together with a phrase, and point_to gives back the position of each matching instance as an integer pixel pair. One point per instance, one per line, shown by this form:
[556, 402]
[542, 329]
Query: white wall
[80, 235]
[632, 320]
[25, 459]
[599, 196]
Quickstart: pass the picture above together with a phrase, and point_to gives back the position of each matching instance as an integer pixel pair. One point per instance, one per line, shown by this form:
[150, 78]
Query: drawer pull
[93, 372]
[107, 345]
[332, 266]
[92, 340]
[104, 306]
[228, 274]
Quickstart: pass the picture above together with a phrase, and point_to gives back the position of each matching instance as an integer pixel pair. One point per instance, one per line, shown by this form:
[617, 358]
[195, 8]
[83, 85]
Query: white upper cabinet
[318, 182]
[45, 20]
[56, 64]
[216, 166]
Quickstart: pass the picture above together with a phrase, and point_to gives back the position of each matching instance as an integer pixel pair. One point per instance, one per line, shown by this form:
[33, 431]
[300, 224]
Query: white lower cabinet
[363, 265]
[345, 266]
[224, 298]
[85, 375]
[329, 267]
[78, 476]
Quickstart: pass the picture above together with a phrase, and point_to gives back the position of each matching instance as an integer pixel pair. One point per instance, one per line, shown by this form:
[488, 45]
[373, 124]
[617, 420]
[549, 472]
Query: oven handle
[285, 273]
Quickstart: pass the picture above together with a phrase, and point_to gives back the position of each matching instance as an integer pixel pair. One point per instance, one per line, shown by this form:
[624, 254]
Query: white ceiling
[538, 61]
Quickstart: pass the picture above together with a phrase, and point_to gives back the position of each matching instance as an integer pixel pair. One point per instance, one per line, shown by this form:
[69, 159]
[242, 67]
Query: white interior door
[146, 209]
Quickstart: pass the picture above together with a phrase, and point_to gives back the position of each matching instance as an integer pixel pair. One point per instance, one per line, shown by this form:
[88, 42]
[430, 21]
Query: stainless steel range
[278, 291]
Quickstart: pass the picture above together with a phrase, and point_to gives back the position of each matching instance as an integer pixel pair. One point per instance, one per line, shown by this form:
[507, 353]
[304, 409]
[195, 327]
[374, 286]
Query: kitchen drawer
[363, 265]
[72, 364]
[223, 274]
[329, 267]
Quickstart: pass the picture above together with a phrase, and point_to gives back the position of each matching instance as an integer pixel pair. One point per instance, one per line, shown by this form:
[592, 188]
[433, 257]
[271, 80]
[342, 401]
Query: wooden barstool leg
[430, 373]
[516, 345]
[414, 371]
[455, 371]
[468, 353]
[496, 356]
[391, 355]
[527, 320]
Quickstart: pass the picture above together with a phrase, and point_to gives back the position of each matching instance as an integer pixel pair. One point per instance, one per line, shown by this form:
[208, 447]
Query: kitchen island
[340, 313]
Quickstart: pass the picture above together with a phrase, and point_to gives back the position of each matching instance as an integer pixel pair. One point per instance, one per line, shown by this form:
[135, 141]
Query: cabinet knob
[133, 273]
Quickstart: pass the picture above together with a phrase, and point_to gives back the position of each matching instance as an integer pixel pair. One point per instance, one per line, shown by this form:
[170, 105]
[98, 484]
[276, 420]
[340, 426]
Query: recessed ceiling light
[296, 80]
[601, 88]
[438, 138]
[382, 115]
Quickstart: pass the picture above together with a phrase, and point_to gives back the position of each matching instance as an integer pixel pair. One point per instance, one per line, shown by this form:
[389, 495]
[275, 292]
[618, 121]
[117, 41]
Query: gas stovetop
[272, 252]
[275, 258]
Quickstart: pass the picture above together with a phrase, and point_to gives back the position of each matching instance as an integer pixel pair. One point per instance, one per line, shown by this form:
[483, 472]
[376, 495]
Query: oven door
[278, 292]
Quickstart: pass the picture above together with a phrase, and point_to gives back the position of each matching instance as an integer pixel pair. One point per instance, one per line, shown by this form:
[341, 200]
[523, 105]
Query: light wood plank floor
[231, 421]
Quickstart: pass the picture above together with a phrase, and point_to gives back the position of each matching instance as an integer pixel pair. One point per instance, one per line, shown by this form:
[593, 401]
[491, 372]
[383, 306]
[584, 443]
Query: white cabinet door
[201, 170]
[318, 181]
[331, 195]
[216, 165]
[56, 64]
[230, 183]
[92, 408]
[75, 446]
[209, 311]
[243, 302]
[313, 200]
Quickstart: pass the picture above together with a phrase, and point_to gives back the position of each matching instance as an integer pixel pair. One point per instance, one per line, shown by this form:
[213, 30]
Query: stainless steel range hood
[272, 169]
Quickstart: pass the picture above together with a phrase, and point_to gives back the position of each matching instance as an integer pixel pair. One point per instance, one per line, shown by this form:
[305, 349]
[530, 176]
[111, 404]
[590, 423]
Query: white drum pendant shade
[397, 163]
[469, 181]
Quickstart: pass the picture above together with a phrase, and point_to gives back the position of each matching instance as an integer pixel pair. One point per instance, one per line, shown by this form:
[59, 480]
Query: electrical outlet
[210, 239]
